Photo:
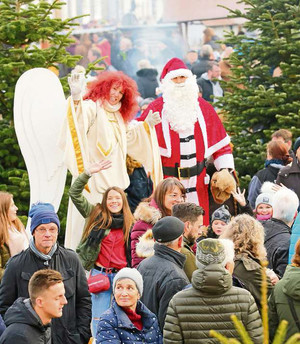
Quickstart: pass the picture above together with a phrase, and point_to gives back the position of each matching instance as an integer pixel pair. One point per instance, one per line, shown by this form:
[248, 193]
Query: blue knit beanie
[41, 213]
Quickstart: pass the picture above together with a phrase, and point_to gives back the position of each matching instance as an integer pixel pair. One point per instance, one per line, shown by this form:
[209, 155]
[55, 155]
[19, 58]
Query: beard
[181, 105]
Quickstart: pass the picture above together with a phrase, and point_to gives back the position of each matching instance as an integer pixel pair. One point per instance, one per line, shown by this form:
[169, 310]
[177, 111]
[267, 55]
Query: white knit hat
[132, 274]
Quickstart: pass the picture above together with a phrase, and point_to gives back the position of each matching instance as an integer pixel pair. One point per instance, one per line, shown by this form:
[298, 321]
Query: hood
[290, 282]
[145, 246]
[147, 212]
[149, 73]
[21, 311]
[213, 279]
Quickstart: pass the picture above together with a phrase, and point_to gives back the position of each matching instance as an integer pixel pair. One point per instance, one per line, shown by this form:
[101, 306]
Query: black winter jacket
[277, 242]
[163, 277]
[24, 326]
[74, 325]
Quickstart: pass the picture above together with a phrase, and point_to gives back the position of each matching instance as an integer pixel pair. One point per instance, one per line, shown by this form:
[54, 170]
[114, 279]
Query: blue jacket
[114, 327]
[294, 237]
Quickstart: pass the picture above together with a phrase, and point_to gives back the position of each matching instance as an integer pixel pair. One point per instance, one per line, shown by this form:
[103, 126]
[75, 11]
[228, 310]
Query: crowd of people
[160, 257]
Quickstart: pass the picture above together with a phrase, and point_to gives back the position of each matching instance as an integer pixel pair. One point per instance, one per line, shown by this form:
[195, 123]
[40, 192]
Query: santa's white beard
[181, 105]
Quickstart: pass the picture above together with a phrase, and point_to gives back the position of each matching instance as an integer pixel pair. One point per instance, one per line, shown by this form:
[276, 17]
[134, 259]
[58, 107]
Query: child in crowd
[219, 221]
[263, 207]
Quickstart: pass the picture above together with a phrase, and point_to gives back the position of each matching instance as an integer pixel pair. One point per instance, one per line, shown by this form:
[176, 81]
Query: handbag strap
[293, 311]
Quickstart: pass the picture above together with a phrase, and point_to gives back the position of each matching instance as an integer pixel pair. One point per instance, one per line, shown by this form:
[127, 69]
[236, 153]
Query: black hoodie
[24, 325]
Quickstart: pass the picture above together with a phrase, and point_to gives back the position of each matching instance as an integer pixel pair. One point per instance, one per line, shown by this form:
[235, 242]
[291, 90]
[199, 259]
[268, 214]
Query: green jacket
[88, 254]
[190, 263]
[81, 203]
[4, 257]
[248, 270]
[208, 305]
[278, 303]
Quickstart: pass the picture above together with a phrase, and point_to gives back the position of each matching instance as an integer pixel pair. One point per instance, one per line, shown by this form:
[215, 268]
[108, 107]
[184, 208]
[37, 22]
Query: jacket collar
[124, 322]
[168, 253]
[187, 244]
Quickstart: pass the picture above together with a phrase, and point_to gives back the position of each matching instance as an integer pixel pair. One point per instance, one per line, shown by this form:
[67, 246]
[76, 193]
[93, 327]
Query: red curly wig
[100, 88]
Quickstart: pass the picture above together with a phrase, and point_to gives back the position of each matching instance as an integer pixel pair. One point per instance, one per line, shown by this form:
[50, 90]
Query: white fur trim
[211, 150]
[202, 125]
[178, 72]
[224, 161]
[166, 132]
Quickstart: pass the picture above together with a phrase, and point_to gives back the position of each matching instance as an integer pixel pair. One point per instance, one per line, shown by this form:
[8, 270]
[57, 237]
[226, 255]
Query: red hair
[100, 89]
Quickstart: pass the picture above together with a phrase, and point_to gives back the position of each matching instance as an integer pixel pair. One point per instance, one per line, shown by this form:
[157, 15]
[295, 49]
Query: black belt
[184, 172]
[106, 270]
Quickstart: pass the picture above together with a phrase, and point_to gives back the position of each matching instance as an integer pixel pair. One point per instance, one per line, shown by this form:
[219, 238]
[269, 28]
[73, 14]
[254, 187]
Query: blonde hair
[5, 222]
[247, 235]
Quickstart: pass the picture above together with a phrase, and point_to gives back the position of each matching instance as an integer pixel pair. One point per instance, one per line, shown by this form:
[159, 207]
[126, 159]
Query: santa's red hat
[173, 68]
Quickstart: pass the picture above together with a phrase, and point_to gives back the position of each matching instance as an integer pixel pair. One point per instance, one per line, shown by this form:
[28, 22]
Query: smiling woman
[106, 232]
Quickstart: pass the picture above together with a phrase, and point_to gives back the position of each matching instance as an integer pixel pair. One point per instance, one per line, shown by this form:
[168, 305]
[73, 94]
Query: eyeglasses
[177, 197]
[52, 231]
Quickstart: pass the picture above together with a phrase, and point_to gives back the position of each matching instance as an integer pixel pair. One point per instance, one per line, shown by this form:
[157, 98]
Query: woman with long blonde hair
[108, 226]
[13, 238]
[247, 235]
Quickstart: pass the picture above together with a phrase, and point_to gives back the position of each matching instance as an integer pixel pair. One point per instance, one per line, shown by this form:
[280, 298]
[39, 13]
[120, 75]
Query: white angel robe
[92, 133]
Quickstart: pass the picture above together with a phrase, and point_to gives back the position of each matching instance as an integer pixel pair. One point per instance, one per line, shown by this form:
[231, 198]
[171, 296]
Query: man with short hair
[209, 83]
[44, 252]
[210, 302]
[29, 320]
[192, 217]
[278, 229]
[284, 136]
[190, 132]
[163, 273]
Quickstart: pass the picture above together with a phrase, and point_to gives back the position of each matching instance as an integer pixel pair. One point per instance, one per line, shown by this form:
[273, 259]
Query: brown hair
[279, 150]
[187, 211]
[101, 217]
[5, 222]
[284, 133]
[160, 191]
[247, 235]
[296, 257]
[42, 280]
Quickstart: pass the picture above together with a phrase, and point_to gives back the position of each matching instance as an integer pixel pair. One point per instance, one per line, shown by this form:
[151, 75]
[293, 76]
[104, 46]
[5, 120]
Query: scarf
[274, 161]
[45, 257]
[135, 318]
[97, 233]
[111, 108]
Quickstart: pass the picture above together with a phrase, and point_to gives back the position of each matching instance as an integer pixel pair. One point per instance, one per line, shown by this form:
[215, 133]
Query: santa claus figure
[189, 133]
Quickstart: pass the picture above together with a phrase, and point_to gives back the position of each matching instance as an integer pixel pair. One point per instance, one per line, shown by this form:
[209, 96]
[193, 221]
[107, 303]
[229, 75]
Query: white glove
[77, 84]
[153, 118]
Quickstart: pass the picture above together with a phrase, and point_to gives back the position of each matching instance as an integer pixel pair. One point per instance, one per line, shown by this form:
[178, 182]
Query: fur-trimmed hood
[147, 212]
[145, 246]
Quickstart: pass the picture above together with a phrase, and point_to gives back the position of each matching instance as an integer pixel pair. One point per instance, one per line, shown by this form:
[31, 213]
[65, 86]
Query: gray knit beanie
[221, 214]
[132, 274]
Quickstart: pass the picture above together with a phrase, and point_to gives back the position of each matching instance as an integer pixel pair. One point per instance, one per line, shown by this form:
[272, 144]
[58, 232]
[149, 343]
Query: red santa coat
[210, 138]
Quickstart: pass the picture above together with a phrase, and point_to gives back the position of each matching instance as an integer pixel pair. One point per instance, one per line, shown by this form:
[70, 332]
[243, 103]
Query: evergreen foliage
[256, 103]
[24, 25]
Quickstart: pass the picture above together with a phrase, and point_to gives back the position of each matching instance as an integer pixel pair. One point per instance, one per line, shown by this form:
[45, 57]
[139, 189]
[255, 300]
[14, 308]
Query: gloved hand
[153, 118]
[77, 84]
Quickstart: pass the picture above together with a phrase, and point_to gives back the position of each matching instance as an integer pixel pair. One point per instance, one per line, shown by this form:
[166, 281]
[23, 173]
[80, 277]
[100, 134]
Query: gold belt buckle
[179, 172]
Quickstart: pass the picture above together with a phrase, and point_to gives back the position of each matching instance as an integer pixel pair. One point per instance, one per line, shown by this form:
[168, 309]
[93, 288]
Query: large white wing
[39, 112]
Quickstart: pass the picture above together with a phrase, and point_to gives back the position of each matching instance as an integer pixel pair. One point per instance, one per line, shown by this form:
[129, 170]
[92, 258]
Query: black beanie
[167, 229]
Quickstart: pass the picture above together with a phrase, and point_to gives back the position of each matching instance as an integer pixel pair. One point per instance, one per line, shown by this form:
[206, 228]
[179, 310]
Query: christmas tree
[259, 101]
[24, 26]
